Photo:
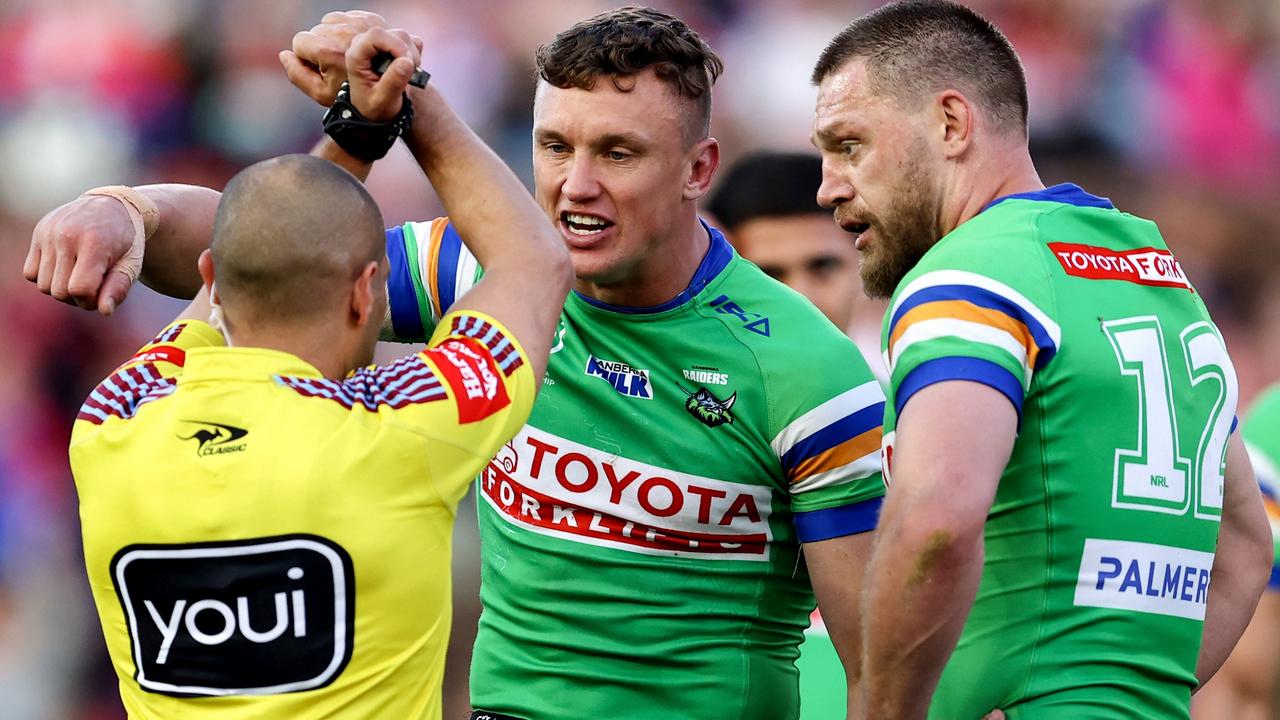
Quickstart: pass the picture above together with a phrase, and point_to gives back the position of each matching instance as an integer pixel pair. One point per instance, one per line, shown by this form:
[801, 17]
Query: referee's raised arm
[527, 268]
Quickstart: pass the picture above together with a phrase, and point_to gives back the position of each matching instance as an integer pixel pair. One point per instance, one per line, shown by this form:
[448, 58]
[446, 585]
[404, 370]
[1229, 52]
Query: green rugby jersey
[1100, 541]
[1261, 433]
[640, 537]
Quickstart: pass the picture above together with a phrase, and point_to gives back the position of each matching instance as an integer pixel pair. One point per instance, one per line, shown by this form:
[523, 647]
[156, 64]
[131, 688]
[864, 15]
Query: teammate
[264, 538]
[641, 536]
[1245, 688]
[765, 204]
[1058, 421]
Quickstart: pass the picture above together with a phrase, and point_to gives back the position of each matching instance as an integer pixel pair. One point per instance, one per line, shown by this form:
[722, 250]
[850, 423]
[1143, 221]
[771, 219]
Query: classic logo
[755, 322]
[564, 489]
[709, 409]
[1144, 577]
[245, 617]
[214, 438]
[628, 381]
[703, 375]
[1148, 266]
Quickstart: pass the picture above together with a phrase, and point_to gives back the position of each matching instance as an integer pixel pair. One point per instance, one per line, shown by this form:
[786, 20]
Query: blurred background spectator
[1169, 107]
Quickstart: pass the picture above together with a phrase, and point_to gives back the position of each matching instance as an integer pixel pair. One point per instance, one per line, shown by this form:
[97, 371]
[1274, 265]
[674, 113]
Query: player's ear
[704, 160]
[362, 295]
[955, 116]
[205, 265]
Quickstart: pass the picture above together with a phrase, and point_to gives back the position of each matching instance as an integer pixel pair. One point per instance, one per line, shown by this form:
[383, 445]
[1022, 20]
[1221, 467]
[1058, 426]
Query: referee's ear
[364, 296]
[205, 264]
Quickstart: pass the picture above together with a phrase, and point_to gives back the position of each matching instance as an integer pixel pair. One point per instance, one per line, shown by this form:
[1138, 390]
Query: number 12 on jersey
[1157, 476]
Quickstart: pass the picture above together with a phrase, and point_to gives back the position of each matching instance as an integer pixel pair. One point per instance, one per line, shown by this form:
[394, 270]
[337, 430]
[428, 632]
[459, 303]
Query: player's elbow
[942, 537]
[558, 266]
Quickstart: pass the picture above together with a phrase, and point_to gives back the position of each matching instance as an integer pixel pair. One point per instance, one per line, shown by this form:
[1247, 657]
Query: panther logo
[709, 409]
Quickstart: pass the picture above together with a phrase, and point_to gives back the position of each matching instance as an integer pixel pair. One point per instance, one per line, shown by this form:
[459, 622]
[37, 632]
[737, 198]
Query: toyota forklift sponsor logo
[1148, 266]
[246, 617]
[557, 487]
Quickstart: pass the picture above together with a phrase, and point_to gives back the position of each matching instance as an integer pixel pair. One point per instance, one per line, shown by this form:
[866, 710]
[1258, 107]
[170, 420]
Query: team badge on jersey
[629, 381]
[709, 409]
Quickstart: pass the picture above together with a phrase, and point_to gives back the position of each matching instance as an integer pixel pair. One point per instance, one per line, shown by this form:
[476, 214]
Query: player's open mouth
[584, 225]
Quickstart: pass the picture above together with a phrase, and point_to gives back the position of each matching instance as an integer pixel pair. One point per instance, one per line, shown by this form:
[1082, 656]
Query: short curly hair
[623, 42]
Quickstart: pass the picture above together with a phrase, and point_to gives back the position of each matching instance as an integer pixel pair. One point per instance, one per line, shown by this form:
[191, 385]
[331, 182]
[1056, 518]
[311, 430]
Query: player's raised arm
[527, 269]
[1240, 565]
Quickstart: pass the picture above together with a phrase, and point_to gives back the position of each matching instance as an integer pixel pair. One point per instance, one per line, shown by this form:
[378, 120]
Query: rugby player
[1058, 427]
[1245, 688]
[266, 520]
[641, 536]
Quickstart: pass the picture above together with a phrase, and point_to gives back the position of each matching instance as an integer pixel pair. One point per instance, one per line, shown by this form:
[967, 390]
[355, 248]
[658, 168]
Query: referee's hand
[81, 254]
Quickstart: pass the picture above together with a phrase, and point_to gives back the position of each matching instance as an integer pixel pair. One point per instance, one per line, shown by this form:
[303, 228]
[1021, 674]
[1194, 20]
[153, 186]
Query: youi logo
[247, 617]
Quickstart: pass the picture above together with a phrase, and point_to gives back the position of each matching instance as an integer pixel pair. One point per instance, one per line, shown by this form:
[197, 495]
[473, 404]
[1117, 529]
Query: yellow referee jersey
[263, 542]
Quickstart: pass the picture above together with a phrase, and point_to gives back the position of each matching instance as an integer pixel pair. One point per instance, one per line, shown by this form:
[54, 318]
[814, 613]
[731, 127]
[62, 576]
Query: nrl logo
[709, 409]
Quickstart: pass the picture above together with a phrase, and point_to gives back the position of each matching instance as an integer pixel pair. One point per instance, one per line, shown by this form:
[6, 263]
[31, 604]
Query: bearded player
[1063, 474]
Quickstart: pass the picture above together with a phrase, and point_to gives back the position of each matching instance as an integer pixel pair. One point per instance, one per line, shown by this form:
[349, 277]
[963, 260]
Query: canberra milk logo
[628, 381]
[1144, 577]
[214, 438]
[245, 617]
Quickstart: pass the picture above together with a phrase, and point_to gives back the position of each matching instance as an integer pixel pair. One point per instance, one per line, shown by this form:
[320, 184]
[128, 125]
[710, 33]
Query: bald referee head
[298, 261]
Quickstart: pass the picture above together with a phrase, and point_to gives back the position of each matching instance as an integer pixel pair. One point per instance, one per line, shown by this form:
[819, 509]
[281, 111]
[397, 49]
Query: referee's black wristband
[359, 136]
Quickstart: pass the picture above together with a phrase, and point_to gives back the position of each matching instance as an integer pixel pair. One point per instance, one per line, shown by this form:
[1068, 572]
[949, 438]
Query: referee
[266, 520]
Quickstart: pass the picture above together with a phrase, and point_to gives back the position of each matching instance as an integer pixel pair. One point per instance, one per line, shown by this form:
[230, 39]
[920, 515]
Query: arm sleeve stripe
[959, 310]
[838, 521]
[447, 272]
[860, 469]
[868, 393]
[405, 320]
[414, 254]
[1273, 583]
[868, 443]
[968, 332]
[960, 368]
[974, 287]
[846, 428]
[977, 297]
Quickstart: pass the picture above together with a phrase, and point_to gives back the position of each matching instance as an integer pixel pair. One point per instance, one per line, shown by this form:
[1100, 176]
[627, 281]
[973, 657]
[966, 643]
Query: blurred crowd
[1169, 107]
